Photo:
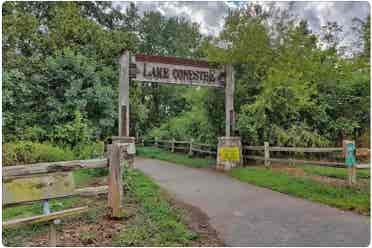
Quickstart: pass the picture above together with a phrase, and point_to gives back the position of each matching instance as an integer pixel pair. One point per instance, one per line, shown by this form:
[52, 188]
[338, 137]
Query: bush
[27, 152]
[89, 151]
[73, 133]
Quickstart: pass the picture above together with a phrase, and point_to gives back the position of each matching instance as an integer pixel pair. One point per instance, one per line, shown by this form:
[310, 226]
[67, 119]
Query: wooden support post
[229, 100]
[267, 154]
[190, 150]
[115, 183]
[172, 143]
[52, 235]
[124, 62]
[52, 229]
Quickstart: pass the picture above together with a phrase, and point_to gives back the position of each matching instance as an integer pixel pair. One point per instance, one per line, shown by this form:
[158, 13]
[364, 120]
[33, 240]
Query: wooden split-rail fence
[341, 151]
[25, 184]
[190, 147]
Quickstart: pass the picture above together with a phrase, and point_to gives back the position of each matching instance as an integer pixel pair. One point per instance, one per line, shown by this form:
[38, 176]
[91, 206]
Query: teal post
[350, 160]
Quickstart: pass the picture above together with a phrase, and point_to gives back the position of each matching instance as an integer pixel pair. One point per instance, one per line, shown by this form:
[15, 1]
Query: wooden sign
[172, 70]
[37, 187]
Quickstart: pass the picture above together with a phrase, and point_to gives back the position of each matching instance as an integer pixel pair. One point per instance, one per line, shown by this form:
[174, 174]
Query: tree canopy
[293, 87]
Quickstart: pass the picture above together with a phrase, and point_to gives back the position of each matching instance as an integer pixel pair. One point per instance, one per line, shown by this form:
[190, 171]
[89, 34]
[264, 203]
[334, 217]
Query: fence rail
[189, 147]
[305, 149]
[266, 148]
[10, 172]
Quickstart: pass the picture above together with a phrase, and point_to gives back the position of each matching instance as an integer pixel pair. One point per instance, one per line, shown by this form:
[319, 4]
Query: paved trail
[246, 215]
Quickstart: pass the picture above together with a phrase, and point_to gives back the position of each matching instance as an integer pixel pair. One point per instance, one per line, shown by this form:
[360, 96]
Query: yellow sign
[229, 154]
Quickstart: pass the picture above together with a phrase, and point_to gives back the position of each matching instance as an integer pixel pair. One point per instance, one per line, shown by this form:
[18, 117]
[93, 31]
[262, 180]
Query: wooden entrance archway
[173, 70]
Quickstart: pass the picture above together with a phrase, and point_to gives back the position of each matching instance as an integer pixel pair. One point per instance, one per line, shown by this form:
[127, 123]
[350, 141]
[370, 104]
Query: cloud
[210, 15]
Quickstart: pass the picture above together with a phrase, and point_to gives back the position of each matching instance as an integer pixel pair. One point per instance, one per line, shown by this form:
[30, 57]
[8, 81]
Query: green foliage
[292, 87]
[26, 152]
[153, 152]
[289, 91]
[193, 123]
[340, 197]
[89, 150]
[159, 224]
[73, 133]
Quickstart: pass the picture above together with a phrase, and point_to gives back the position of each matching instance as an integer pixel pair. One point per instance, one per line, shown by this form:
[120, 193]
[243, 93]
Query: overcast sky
[210, 15]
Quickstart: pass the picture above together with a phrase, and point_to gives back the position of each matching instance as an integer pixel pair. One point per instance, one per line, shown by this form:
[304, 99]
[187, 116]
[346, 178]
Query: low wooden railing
[267, 158]
[190, 147]
[267, 150]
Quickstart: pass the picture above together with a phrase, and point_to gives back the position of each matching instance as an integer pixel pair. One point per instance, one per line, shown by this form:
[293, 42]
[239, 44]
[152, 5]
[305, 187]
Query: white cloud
[210, 15]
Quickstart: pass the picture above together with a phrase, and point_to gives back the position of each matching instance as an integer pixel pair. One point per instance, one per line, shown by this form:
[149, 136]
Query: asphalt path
[247, 215]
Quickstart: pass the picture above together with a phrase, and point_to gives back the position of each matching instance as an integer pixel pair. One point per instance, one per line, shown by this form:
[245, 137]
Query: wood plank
[80, 192]
[38, 187]
[124, 116]
[44, 217]
[267, 154]
[91, 191]
[205, 145]
[203, 151]
[254, 148]
[305, 149]
[115, 183]
[163, 70]
[181, 142]
[298, 161]
[254, 157]
[50, 167]
[124, 139]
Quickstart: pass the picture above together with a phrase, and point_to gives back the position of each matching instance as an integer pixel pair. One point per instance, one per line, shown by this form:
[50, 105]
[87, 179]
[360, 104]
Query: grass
[157, 153]
[346, 198]
[158, 223]
[340, 173]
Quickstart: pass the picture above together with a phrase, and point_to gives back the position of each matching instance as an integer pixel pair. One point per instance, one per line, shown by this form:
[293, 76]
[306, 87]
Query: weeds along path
[246, 215]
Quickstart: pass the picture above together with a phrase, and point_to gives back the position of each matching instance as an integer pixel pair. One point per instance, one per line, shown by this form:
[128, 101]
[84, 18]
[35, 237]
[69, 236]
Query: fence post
[267, 154]
[350, 160]
[173, 141]
[190, 150]
[115, 183]
[52, 228]
[156, 142]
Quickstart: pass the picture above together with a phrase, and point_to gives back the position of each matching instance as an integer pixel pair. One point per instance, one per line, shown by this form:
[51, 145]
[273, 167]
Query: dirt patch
[95, 228]
[198, 222]
[294, 171]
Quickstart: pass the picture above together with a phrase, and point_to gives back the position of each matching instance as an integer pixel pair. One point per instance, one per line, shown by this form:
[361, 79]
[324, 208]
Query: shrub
[89, 151]
[26, 152]
[73, 133]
